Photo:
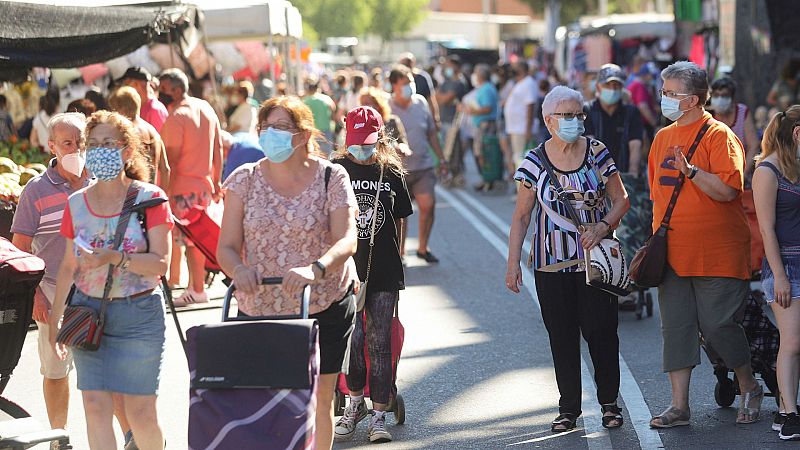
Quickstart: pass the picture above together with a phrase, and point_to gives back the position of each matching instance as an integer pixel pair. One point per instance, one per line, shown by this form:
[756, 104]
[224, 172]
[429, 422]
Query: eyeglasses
[108, 143]
[672, 94]
[571, 115]
[282, 126]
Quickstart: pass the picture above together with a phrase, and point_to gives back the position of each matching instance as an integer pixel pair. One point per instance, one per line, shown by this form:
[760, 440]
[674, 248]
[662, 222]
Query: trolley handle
[304, 302]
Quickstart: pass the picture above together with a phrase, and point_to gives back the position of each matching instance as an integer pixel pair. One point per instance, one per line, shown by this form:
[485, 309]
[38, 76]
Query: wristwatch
[319, 266]
[692, 172]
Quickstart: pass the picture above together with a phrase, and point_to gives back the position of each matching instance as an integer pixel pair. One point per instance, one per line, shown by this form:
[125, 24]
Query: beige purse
[361, 297]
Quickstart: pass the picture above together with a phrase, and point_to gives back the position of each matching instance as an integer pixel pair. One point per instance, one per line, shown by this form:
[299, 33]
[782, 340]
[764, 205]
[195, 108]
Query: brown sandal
[671, 417]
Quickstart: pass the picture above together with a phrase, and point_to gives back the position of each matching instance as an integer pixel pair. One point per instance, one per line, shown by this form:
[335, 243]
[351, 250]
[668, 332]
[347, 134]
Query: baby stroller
[633, 231]
[20, 274]
[397, 405]
[764, 343]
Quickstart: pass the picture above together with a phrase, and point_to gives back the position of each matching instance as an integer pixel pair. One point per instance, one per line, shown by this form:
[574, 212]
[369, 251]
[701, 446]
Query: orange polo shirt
[707, 238]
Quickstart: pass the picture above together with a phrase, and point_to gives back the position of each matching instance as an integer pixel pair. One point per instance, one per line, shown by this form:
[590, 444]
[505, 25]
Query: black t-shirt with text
[394, 203]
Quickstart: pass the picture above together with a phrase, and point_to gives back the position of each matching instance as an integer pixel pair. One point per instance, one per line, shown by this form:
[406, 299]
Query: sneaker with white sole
[346, 425]
[191, 298]
[790, 431]
[377, 428]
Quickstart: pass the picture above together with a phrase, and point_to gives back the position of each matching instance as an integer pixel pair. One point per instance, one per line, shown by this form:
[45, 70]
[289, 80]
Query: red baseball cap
[363, 124]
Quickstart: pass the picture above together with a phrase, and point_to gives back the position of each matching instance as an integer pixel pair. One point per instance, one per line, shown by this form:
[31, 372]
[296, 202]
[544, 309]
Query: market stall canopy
[240, 20]
[624, 26]
[38, 35]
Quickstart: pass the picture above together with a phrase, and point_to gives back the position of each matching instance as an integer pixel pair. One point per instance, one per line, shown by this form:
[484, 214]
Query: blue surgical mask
[387, 86]
[105, 163]
[721, 103]
[362, 152]
[569, 130]
[276, 144]
[449, 72]
[671, 108]
[408, 90]
[610, 96]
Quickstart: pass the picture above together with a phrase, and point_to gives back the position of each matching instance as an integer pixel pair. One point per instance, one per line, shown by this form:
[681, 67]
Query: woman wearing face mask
[128, 361]
[371, 160]
[736, 116]
[776, 187]
[706, 281]
[292, 214]
[569, 306]
[243, 114]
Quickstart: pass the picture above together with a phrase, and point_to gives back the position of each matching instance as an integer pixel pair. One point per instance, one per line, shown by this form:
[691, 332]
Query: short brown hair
[126, 101]
[136, 167]
[83, 106]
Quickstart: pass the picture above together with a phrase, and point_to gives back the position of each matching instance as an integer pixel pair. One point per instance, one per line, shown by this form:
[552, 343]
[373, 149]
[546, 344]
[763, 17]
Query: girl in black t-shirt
[374, 167]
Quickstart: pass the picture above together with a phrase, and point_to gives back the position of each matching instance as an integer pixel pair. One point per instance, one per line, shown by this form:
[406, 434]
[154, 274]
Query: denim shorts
[131, 349]
[791, 264]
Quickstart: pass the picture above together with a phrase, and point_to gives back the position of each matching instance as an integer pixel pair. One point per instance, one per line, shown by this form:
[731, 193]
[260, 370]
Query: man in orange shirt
[193, 140]
[706, 283]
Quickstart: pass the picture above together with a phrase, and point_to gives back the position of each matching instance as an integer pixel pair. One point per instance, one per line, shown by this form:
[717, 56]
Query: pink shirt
[191, 135]
[281, 233]
[154, 112]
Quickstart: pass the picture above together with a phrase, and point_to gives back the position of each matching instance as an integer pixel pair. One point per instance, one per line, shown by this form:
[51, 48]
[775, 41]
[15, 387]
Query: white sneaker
[377, 428]
[346, 425]
[190, 298]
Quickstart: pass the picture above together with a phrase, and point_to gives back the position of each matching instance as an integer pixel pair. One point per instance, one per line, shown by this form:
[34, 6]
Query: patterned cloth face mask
[105, 163]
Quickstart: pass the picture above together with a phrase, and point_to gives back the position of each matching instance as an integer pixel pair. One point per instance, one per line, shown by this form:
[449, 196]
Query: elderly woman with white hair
[706, 282]
[569, 306]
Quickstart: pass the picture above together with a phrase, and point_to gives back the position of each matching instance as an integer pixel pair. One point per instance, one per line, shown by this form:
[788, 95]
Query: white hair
[557, 96]
[691, 76]
[73, 119]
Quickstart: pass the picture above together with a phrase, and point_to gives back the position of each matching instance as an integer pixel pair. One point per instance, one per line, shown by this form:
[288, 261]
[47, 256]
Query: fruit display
[18, 164]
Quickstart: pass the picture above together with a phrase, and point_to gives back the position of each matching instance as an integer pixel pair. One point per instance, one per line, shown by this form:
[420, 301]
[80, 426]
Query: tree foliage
[384, 18]
[571, 10]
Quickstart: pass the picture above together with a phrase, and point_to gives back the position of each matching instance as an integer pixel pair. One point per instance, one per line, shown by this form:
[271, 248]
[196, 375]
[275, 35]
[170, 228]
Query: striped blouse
[555, 238]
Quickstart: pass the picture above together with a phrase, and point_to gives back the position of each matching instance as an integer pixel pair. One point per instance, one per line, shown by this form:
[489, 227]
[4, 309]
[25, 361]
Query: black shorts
[335, 327]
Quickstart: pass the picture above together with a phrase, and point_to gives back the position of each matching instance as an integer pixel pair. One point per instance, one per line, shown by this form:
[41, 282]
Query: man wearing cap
[152, 110]
[35, 229]
[615, 123]
[412, 109]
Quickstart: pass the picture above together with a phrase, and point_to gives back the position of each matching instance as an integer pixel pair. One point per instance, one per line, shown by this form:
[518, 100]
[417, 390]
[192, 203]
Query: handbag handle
[682, 179]
[122, 225]
[374, 222]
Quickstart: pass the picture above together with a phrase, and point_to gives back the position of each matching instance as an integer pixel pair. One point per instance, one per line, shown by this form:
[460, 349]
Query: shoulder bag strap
[374, 222]
[122, 225]
[560, 192]
[682, 179]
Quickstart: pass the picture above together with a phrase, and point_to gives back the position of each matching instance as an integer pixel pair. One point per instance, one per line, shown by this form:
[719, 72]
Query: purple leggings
[379, 307]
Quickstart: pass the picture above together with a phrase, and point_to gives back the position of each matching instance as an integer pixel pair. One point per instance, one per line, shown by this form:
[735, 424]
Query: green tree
[396, 17]
[570, 10]
[328, 18]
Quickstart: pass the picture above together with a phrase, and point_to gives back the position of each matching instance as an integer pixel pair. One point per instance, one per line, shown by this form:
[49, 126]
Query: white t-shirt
[40, 125]
[524, 93]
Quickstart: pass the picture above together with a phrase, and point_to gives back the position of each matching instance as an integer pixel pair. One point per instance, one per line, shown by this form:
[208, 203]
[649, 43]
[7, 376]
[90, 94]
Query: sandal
[754, 396]
[566, 420]
[607, 420]
[671, 417]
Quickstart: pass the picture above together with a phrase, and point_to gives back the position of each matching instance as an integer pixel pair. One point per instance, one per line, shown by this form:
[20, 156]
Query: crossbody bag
[605, 262]
[82, 326]
[647, 267]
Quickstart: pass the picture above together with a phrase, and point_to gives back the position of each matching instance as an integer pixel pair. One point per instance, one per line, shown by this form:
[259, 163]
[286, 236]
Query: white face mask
[73, 163]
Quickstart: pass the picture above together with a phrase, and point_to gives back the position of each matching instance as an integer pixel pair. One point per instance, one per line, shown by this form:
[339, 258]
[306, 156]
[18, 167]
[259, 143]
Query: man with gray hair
[193, 139]
[707, 279]
[36, 230]
[483, 111]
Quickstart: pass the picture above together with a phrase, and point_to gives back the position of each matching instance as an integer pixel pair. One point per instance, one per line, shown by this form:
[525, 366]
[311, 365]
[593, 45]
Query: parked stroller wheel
[725, 393]
[399, 410]
[648, 298]
[338, 403]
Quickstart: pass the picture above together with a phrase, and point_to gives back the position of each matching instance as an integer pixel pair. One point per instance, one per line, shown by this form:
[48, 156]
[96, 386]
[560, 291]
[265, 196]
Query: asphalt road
[476, 370]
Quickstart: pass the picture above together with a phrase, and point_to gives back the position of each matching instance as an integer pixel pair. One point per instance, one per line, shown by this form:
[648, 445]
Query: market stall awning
[36, 35]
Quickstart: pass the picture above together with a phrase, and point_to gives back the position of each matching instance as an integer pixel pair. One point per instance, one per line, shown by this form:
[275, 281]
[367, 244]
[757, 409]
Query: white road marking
[629, 389]
[596, 436]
